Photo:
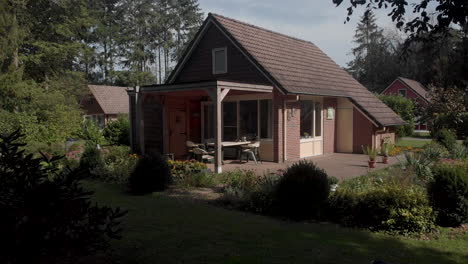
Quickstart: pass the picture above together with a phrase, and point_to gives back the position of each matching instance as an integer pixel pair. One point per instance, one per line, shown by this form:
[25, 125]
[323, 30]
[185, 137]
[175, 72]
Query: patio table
[230, 144]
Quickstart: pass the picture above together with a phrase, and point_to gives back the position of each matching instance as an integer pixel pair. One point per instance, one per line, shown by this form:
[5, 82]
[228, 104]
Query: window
[266, 119]
[402, 92]
[229, 121]
[219, 61]
[307, 119]
[311, 119]
[208, 121]
[318, 119]
[248, 118]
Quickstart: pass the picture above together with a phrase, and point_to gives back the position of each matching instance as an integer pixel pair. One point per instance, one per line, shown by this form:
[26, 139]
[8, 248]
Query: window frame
[404, 90]
[314, 137]
[237, 101]
[213, 58]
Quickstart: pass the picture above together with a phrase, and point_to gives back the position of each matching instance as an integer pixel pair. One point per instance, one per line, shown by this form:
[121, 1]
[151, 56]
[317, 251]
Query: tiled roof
[300, 67]
[417, 87]
[112, 99]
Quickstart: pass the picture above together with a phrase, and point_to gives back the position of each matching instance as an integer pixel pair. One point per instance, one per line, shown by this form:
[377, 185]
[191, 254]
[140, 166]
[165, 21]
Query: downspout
[285, 120]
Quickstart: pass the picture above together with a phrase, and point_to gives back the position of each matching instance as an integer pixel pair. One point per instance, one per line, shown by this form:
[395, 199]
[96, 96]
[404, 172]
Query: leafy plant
[151, 174]
[405, 108]
[47, 216]
[91, 132]
[371, 152]
[446, 137]
[390, 207]
[118, 132]
[117, 164]
[302, 190]
[91, 159]
[449, 194]
[183, 170]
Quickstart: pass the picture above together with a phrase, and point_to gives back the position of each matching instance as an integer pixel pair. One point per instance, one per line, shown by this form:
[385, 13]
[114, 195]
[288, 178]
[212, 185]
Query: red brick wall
[397, 85]
[199, 66]
[363, 131]
[329, 131]
[293, 130]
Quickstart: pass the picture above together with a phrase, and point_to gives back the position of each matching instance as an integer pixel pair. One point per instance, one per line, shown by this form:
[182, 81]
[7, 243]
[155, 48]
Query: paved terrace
[340, 165]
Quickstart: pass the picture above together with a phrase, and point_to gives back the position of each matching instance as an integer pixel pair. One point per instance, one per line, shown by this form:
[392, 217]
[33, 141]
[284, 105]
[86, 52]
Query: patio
[340, 165]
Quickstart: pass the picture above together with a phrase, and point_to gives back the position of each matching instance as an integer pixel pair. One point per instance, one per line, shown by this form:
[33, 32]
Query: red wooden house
[237, 82]
[413, 90]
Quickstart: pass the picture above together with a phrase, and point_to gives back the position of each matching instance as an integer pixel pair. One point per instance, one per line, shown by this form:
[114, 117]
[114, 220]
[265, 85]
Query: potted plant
[372, 153]
[384, 151]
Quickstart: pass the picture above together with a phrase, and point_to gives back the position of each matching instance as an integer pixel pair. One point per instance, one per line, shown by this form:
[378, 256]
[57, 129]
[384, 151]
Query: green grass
[160, 229]
[411, 143]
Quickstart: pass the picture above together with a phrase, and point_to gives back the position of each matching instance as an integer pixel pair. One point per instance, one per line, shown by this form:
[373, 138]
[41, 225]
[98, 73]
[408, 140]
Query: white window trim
[213, 52]
[237, 100]
[314, 138]
[406, 92]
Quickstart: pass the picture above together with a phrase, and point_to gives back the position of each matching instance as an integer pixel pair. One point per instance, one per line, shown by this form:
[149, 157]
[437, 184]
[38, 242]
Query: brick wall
[293, 130]
[329, 126]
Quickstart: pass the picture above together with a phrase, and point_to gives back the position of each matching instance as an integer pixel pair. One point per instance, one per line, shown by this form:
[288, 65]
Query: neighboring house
[413, 90]
[105, 103]
[237, 80]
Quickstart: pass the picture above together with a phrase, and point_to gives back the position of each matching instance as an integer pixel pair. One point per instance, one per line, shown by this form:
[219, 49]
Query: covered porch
[213, 112]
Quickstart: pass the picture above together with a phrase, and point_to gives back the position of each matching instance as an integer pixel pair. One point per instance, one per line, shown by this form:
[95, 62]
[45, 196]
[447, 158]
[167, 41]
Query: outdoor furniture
[231, 144]
[203, 155]
[191, 145]
[251, 151]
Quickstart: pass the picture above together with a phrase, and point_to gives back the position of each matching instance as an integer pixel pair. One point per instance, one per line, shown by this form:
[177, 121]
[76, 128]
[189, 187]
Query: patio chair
[203, 155]
[251, 151]
[191, 145]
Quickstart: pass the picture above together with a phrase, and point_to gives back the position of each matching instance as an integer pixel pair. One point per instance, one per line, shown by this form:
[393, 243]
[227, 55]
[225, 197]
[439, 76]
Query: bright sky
[318, 21]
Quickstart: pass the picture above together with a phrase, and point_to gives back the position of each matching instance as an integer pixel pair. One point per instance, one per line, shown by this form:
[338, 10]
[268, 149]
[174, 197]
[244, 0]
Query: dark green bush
[403, 107]
[389, 207]
[151, 174]
[446, 137]
[465, 142]
[117, 164]
[448, 193]
[91, 159]
[118, 132]
[46, 215]
[302, 191]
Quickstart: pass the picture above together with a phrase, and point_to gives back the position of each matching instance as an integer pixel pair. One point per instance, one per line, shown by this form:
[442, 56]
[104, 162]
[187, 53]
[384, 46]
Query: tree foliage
[405, 109]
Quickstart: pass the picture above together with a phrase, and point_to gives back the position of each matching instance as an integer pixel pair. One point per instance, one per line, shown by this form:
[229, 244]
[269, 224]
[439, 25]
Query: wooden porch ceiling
[209, 85]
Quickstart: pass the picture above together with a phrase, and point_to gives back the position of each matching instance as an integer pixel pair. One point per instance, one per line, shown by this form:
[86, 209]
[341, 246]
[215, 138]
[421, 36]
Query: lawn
[409, 142]
[161, 229]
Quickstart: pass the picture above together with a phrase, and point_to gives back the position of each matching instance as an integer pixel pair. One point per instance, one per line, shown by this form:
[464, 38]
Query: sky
[318, 21]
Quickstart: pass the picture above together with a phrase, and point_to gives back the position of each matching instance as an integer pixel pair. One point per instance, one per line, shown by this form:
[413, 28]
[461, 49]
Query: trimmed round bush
[302, 191]
[448, 193]
[151, 174]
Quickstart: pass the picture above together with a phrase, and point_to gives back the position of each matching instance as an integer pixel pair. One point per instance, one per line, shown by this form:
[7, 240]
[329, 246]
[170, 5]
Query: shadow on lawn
[161, 229]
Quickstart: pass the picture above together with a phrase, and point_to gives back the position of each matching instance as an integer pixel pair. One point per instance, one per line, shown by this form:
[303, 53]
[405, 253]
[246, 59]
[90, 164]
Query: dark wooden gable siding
[199, 65]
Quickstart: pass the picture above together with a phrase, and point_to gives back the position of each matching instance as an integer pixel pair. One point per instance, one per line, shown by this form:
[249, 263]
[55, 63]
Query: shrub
[183, 171]
[118, 132]
[448, 193]
[117, 164]
[91, 159]
[90, 131]
[446, 137]
[152, 173]
[404, 107]
[47, 217]
[465, 142]
[389, 207]
[302, 190]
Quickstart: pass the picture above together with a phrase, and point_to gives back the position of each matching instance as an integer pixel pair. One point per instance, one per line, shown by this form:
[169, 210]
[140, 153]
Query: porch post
[217, 95]
[218, 147]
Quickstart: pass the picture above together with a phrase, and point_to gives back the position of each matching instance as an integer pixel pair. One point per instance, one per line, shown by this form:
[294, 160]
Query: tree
[447, 12]
[373, 64]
